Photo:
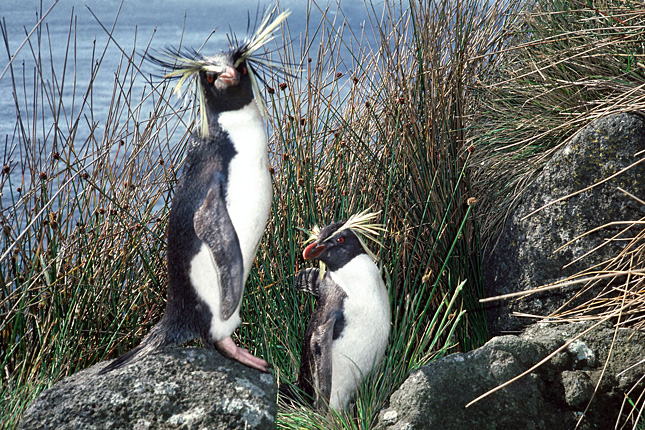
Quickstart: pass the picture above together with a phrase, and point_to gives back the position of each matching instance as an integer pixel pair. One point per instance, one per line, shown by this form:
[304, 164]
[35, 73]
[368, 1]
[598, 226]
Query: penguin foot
[228, 349]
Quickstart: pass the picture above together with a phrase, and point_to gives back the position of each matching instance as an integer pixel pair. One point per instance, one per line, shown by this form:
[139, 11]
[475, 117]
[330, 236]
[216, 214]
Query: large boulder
[525, 256]
[552, 397]
[177, 388]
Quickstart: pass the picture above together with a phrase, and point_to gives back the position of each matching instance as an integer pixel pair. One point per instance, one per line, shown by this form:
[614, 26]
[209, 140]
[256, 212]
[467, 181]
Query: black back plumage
[199, 216]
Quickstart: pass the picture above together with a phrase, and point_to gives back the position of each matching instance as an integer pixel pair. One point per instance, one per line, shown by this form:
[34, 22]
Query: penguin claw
[307, 280]
[229, 350]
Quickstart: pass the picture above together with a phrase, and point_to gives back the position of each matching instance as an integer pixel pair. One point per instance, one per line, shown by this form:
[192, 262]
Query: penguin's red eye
[244, 71]
[340, 240]
[210, 78]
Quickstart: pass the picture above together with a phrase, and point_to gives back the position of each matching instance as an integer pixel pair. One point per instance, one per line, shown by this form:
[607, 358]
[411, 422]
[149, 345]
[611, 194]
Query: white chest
[248, 201]
[367, 327]
[249, 192]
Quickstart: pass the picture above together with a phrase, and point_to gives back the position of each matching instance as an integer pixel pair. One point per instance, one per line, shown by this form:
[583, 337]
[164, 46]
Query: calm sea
[161, 23]
[165, 21]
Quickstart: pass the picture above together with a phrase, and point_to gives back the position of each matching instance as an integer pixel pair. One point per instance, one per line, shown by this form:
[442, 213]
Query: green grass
[82, 245]
[386, 125]
[636, 414]
[382, 131]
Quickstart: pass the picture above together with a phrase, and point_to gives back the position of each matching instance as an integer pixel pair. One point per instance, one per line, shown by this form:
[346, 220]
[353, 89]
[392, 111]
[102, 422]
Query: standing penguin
[349, 327]
[221, 203]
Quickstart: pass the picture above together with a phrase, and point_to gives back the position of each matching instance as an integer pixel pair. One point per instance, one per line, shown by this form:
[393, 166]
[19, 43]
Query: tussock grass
[385, 131]
[83, 217]
[565, 64]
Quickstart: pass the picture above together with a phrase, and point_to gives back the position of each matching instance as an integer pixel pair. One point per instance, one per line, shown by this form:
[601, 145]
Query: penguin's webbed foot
[229, 349]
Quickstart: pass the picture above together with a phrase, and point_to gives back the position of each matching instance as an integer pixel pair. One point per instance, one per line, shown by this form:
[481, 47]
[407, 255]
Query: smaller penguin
[350, 325]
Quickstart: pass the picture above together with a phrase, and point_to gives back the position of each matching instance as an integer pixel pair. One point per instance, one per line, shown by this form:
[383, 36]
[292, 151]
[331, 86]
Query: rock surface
[553, 397]
[524, 257]
[177, 388]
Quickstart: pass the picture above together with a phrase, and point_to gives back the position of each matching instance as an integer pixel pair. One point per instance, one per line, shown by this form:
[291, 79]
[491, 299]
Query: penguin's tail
[155, 340]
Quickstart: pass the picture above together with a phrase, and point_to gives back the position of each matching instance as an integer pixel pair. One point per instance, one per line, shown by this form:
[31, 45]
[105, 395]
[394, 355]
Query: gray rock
[578, 387]
[553, 397]
[177, 388]
[435, 396]
[524, 257]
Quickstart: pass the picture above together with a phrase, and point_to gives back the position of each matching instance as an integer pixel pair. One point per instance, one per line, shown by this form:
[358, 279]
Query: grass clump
[384, 129]
[565, 64]
[83, 216]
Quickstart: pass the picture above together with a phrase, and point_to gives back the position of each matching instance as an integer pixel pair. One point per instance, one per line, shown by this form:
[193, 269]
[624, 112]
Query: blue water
[165, 23]
[157, 23]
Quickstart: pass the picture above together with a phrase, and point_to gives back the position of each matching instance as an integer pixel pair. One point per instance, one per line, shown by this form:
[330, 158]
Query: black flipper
[155, 340]
[213, 226]
[308, 280]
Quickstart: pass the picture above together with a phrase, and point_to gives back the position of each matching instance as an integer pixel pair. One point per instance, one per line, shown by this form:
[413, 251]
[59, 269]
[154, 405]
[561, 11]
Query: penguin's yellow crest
[187, 64]
[362, 225]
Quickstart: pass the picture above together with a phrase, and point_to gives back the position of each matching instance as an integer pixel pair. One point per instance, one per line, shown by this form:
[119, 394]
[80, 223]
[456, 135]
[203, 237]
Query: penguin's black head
[226, 82]
[333, 247]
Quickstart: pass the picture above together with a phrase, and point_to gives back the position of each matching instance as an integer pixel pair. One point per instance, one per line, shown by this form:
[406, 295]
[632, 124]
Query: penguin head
[225, 81]
[334, 247]
[339, 243]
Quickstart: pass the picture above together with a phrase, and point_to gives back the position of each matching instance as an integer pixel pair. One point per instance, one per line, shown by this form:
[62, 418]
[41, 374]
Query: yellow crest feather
[187, 65]
[362, 225]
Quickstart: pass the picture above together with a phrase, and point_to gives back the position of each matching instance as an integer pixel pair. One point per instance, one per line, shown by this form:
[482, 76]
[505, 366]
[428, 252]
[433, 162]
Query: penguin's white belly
[248, 202]
[249, 193]
[367, 327]
[204, 277]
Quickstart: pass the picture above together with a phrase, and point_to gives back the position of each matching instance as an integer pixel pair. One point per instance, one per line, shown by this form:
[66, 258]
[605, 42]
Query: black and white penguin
[220, 206]
[349, 327]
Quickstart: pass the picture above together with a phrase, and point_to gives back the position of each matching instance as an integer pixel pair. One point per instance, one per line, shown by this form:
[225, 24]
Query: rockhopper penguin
[221, 203]
[349, 327]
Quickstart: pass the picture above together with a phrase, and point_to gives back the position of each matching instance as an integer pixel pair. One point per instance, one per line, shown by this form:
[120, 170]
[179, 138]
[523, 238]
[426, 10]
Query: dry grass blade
[541, 93]
[83, 216]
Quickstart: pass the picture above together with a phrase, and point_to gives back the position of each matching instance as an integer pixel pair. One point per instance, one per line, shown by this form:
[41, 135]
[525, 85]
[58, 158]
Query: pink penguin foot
[228, 349]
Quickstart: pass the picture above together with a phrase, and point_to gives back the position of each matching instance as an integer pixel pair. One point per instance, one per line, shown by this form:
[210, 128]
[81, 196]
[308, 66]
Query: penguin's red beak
[230, 76]
[313, 251]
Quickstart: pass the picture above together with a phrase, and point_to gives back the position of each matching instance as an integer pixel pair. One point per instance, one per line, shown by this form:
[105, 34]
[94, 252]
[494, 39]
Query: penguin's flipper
[320, 346]
[308, 280]
[214, 227]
